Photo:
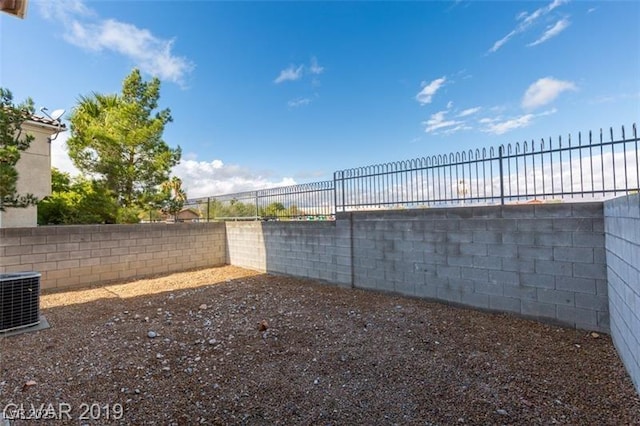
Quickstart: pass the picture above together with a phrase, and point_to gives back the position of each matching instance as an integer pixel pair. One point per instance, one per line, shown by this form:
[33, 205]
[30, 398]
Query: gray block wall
[544, 262]
[318, 250]
[69, 256]
[622, 227]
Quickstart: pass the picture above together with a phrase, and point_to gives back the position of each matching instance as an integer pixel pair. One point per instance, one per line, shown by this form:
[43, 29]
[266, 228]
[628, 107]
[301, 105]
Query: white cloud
[469, 111]
[83, 28]
[526, 20]
[499, 125]
[294, 103]
[429, 89]
[292, 73]
[552, 31]
[60, 155]
[209, 178]
[438, 121]
[544, 91]
[314, 68]
[449, 104]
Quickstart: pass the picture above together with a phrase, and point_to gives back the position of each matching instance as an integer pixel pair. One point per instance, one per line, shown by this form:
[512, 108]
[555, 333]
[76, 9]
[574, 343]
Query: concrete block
[538, 310]
[449, 295]
[571, 315]
[553, 210]
[495, 289]
[487, 262]
[574, 224]
[579, 285]
[504, 277]
[502, 250]
[460, 260]
[539, 225]
[502, 225]
[535, 253]
[520, 292]
[487, 237]
[473, 225]
[522, 238]
[474, 274]
[444, 271]
[538, 280]
[554, 239]
[588, 239]
[505, 304]
[592, 301]
[587, 270]
[476, 300]
[552, 267]
[556, 297]
[573, 254]
[518, 265]
[426, 290]
[475, 249]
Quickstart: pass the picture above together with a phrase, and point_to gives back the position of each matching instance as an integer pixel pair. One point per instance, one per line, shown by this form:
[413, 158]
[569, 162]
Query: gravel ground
[231, 346]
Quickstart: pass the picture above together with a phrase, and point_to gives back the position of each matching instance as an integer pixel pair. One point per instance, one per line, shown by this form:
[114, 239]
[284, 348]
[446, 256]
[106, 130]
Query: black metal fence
[591, 166]
[309, 201]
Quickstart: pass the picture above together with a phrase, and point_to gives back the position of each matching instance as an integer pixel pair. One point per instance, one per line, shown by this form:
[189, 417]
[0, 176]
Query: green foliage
[237, 209]
[12, 143]
[76, 201]
[234, 209]
[279, 211]
[118, 138]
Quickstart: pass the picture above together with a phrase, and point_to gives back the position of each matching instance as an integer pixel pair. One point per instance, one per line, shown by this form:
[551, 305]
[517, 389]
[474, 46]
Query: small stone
[502, 412]
[152, 334]
[595, 335]
[212, 341]
[166, 368]
[203, 307]
[316, 381]
[263, 325]
[159, 356]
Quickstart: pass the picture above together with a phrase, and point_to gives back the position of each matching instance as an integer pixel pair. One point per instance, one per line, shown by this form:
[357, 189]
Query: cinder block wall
[545, 262]
[319, 250]
[622, 227]
[70, 256]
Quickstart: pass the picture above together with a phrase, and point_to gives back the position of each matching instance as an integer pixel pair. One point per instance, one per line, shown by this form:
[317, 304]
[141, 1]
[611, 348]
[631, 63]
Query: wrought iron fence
[310, 201]
[593, 166]
[589, 167]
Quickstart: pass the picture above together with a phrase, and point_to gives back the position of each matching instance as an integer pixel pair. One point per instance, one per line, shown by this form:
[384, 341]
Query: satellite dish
[56, 114]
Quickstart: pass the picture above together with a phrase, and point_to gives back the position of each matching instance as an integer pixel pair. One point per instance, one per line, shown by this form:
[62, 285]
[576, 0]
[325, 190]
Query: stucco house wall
[34, 173]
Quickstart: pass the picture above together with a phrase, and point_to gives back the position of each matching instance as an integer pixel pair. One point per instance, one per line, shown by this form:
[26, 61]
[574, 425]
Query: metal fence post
[335, 194]
[257, 212]
[208, 207]
[500, 157]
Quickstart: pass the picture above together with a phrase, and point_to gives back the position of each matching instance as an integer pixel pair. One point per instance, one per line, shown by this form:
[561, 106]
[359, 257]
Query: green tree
[118, 139]
[76, 201]
[174, 197]
[12, 143]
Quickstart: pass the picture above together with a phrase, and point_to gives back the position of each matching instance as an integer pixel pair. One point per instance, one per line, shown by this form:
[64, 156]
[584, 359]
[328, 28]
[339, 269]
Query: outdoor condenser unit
[19, 300]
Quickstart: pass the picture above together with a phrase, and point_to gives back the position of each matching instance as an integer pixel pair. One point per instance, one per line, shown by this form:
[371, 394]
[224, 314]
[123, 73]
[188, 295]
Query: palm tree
[175, 196]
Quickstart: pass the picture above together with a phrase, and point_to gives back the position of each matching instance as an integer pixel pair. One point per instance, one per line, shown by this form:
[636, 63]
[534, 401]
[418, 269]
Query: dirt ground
[231, 346]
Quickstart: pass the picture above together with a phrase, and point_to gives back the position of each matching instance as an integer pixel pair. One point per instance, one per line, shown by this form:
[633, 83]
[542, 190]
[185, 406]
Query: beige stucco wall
[34, 176]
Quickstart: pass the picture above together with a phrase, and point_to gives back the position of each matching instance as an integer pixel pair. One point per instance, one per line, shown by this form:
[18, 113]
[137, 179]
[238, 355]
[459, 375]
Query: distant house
[188, 215]
[34, 170]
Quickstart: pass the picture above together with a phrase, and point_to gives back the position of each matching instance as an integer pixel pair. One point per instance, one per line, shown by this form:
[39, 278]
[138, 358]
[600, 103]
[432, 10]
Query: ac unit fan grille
[19, 300]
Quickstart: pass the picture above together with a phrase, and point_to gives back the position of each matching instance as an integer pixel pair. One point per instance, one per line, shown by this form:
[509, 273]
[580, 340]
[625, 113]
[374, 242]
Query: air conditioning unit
[19, 300]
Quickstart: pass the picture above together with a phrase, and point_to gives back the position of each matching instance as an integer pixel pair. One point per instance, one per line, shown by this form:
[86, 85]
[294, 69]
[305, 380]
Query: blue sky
[270, 93]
